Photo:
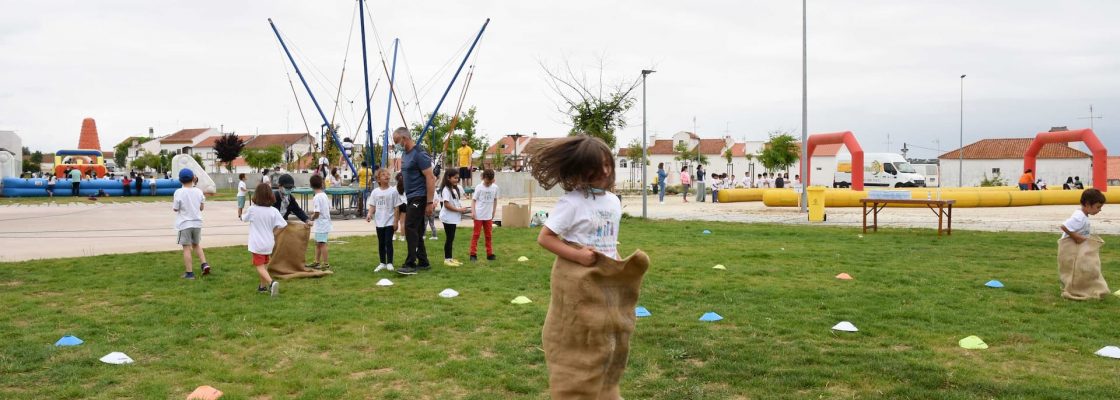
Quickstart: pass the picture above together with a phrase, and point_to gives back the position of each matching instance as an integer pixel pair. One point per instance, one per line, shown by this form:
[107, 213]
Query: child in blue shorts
[320, 222]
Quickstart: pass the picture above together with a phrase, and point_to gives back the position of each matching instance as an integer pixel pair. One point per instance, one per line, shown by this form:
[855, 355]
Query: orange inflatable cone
[844, 276]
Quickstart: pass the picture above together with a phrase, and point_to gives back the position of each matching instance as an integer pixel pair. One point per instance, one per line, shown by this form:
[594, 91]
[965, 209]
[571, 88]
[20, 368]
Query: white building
[183, 141]
[1004, 157]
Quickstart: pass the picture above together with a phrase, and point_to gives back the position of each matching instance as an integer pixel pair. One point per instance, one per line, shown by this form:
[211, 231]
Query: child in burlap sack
[1079, 261]
[586, 334]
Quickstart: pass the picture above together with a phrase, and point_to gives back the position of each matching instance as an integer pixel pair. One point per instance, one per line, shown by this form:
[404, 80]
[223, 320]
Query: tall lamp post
[804, 105]
[516, 139]
[645, 166]
[960, 150]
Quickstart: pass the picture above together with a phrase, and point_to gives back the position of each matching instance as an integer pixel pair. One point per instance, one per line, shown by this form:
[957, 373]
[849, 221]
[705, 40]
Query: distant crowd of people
[1027, 181]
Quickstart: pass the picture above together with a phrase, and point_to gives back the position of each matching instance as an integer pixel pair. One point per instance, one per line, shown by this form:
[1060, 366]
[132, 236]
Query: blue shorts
[240, 202]
[320, 237]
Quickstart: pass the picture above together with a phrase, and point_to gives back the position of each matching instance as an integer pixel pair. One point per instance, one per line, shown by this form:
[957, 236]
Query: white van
[879, 169]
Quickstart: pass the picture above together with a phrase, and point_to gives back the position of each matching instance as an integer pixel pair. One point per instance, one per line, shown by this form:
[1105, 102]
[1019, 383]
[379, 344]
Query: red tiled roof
[183, 136]
[278, 139]
[662, 146]
[209, 142]
[711, 146]
[508, 142]
[739, 150]
[239, 162]
[1012, 148]
[1114, 167]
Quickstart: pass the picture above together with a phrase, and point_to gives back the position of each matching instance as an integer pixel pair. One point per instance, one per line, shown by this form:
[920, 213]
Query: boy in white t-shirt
[1077, 226]
[383, 205]
[241, 191]
[187, 204]
[320, 223]
[485, 202]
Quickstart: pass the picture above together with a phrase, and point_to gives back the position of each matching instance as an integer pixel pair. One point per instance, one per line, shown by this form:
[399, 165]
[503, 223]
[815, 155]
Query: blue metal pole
[432, 117]
[326, 123]
[389, 110]
[365, 71]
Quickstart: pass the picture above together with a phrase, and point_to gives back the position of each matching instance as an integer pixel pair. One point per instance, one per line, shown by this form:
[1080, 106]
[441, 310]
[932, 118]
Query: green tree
[37, 157]
[228, 148]
[593, 111]
[146, 161]
[634, 152]
[120, 151]
[499, 158]
[264, 158]
[441, 125]
[197, 159]
[684, 154]
[727, 155]
[780, 152]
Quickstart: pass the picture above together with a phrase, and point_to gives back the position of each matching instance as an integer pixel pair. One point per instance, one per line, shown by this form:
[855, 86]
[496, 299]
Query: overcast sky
[876, 67]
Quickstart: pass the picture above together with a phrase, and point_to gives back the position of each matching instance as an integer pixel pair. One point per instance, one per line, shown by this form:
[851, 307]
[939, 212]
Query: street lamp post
[804, 104]
[645, 186]
[516, 139]
[960, 150]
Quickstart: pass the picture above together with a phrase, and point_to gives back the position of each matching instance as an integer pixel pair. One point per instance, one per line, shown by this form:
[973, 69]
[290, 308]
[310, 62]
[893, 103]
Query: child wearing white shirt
[485, 202]
[320, 223]
[265, 222]
[383, 206]
[451, 214]
[187, 204]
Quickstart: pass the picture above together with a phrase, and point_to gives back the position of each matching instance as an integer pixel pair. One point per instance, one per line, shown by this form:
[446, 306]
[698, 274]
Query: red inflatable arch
[849, 141]
[1100, 153]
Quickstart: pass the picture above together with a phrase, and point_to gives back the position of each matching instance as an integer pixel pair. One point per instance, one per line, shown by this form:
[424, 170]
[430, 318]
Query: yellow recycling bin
[816, 203]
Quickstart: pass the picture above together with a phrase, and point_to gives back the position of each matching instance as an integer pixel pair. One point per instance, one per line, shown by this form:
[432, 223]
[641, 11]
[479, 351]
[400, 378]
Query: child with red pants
[485, 202]
[265, 222]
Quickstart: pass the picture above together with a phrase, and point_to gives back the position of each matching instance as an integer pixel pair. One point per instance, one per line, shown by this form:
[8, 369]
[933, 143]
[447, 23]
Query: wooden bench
[943, 211]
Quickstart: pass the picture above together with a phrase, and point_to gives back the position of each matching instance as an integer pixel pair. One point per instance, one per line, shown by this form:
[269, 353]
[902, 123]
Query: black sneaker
[491, 257]
[474, 257]
[424, 267]
[262, 290]
[205, 269]
[407, 270]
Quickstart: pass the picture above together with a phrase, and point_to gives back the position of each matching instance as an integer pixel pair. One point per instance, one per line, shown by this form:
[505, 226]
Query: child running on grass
[1079, 263]
[451, 214]
[383, 208]
[320, 223]
[242, 190]
[485, 201]
[265, 222]
[187, 204]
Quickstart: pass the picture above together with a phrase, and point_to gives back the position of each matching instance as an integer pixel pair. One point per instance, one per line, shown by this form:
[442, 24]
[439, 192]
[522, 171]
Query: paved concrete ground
[54, 231]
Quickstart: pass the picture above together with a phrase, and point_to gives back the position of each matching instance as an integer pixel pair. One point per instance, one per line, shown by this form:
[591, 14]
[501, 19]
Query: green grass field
[341, 337]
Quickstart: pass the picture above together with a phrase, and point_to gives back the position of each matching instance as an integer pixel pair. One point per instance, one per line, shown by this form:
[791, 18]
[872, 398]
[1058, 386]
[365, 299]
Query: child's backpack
[538, 219]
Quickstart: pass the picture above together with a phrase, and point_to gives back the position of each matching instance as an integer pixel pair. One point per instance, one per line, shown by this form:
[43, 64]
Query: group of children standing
[384, 207]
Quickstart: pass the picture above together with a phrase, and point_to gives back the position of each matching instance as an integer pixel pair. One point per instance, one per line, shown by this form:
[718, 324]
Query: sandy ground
[58, 231]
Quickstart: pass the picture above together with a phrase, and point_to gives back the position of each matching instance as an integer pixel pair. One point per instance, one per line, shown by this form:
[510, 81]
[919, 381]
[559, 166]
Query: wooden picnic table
[943, 211]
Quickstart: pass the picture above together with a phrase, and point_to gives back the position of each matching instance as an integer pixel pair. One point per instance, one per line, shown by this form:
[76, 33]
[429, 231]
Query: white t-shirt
[266, 180]
[385, 203]
[262, 220]
[323, 160]
[187, 203]
[241, 189]
[589, 221]
[1078, 222]
[484, 200]
[322, 205]
[446, 215]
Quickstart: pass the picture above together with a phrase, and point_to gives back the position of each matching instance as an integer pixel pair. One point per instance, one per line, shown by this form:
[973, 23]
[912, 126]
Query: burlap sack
[291, 248]
[1079, 269]
[587, 331]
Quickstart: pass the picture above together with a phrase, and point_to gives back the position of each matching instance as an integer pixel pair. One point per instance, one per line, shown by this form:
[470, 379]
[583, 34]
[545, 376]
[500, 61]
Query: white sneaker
[394, 236]
[274, 288]
[389, 266]
[379, 267]
[434, 238]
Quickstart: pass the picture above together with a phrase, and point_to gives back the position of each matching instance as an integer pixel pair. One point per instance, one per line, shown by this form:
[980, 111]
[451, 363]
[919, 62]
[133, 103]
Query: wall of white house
[628, 176]
[1052, 171]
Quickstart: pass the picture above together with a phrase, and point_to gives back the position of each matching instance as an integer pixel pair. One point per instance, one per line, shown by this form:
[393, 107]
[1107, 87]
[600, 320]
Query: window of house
[622, 163]
[995, 170]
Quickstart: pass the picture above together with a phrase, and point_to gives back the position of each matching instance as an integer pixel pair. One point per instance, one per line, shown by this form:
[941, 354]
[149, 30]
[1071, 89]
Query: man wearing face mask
[285, 202]
[419, 186]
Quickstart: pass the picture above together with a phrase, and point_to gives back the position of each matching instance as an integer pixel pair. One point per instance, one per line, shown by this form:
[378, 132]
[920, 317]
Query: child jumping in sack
[586, 334]
[1079, 261]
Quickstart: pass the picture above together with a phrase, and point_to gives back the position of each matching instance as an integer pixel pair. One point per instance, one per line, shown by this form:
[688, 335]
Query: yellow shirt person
[465, 152]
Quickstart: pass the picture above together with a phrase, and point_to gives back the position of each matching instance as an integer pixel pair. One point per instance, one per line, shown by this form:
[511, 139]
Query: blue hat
[186, 175]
